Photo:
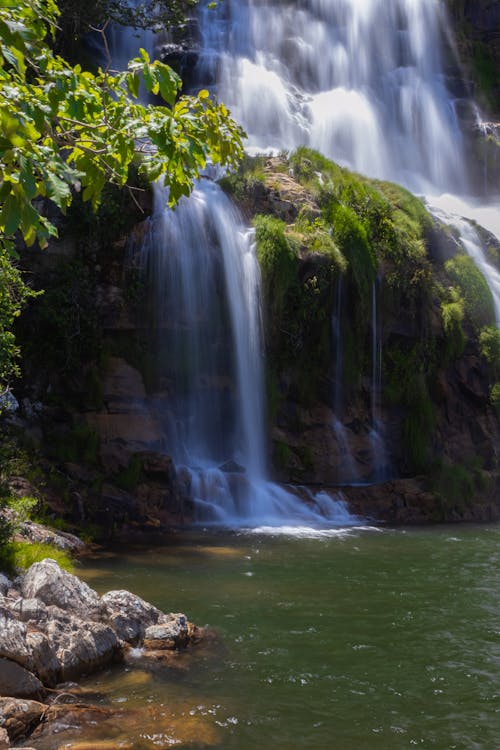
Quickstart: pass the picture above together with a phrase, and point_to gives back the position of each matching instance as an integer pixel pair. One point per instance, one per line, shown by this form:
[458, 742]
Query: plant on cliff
[66, 130]
[474, 289]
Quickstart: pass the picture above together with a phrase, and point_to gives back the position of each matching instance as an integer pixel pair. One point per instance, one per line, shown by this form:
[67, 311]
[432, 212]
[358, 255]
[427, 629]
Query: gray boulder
[53, 586]
[128, 615]
[172, 632]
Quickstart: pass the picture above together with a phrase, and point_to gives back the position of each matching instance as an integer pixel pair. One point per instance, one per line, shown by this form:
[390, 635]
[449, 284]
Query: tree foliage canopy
[64, 129]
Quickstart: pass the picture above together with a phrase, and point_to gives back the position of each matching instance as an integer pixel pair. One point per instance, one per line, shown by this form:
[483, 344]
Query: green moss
[495, 396]
[453, 314]
[281, 454]
[81, 444]
[129, 478]
[489, 346]
[455, 484]
[476, 293]
[419, 424]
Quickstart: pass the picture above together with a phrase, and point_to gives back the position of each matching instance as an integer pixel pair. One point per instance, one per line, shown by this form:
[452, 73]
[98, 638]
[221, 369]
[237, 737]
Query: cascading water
[376, 436]
[205, 284]
[346, 467]
[362, 81]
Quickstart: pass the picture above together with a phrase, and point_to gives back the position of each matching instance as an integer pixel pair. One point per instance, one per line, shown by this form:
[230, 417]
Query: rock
[34, 532]
[13, 644]
[18, 681]
[18, 716]
[173, 631]
[231, 467]
[81, 646]
[129, 615]
[4, 739]
[44, 661]
[5, 584]
[53, 586]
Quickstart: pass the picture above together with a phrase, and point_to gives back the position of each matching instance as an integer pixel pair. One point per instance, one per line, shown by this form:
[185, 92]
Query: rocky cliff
[382, 359]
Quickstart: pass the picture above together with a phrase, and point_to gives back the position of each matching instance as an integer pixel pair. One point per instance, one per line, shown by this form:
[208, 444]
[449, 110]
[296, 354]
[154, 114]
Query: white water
[205, 286]
[360, 80]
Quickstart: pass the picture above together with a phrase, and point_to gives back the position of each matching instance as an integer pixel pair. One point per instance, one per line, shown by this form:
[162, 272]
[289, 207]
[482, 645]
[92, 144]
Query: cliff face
[371, 377]
[381, 358]
[476, 25]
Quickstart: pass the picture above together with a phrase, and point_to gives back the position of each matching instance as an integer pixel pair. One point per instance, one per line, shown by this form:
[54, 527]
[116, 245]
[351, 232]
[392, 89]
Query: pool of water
[349, 640]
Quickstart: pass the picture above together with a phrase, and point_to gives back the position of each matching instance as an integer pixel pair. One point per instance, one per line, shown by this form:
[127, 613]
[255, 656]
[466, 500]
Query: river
[353, 639]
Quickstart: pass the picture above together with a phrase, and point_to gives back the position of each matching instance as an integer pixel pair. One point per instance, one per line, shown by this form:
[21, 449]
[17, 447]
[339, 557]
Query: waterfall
[205, 285]
[346, 467]
[380, 461]
[360, 80]
[364, 82]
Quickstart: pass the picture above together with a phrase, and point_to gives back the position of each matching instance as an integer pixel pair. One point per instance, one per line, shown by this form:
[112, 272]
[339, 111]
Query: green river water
[359, 640]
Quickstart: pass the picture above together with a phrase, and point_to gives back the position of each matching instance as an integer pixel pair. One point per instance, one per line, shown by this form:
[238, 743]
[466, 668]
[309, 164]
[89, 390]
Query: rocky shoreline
[56, 629]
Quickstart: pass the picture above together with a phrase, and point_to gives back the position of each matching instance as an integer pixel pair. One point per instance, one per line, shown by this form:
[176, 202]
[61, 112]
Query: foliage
[14, 294]
[473, 288]
[452, 312]
[495, 396]
[489, 346]
[79, 18]
[278, 260]
[17, 555]
[66, 130]
[455, 484]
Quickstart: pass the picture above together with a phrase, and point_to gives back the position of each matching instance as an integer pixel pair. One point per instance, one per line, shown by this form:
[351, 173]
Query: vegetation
[67, 131]
[475, 291]
[17, 553]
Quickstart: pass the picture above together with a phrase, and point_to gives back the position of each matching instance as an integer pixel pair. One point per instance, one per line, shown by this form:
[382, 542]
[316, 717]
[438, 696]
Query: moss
[489, 346]
[129, 478]
[407, 373]
[278, 259]
[495, 397]
[81, 444]
[476, 293]
[453, 314]
[419, 424]
[455, 484]
[281, 454]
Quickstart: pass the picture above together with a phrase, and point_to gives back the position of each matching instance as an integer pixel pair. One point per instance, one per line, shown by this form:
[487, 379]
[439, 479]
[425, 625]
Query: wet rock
[172, 632]
[4, 739]
[18, 717]
[231, 467]
[129, 615]
[53, 586]
[18, 681]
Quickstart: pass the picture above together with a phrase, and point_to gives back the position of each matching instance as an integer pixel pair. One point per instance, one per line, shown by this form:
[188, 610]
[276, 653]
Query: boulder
[4, 739]
[171, 632]
[128, 615]
[18, 716]
[13, 644]
[81, 646]
[18, 681]
[53, 586]
[5, 584]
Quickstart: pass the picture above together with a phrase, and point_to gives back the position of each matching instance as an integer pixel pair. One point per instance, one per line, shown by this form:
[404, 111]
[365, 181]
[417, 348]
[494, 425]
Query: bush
[21, 555]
